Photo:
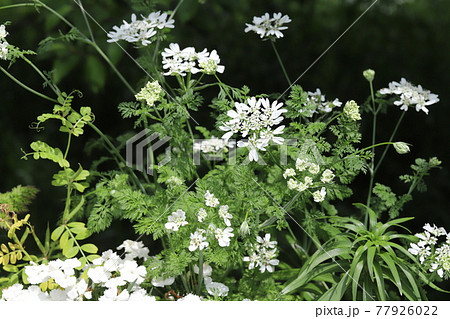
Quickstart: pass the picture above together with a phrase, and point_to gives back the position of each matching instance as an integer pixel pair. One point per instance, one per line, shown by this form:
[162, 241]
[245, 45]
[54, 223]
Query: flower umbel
[267, 27]
[150, 93]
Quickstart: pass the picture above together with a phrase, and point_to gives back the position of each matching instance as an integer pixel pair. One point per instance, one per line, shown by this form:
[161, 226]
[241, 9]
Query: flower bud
[401, 147]
[245, 229]
[369, 74]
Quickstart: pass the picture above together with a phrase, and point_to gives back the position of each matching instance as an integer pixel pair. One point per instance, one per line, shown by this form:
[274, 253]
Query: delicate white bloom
[216, 289]
[198, 240]
[17, 293]
[207, 270]
[256, 120]
[210, 199]
[253, 259]
[202, 214]
[115, 282]
[314, 168]
[301, 165]
[109, 259]
[308, 181]
[141, 295]
[134, 249]
[292, 183]
[316, 102]
[319, 196]
[223, 212]
[174, 181]
[98, 274]
[411, 95]
[288, 172]
[176, 220]
[140, 31]
[112, 294]
[223, 236]
[132, 272]
[267, 27]
[351, 110]
[426, 239]
[211, 145]
[161, 282]
[301, 187]
[190, 298]
[434, 230]
[265, 242]
[78, 291]
[401, 147]
[327, 176]
[422, 252]
[267, 260]
[37, 274]
[3, 32]
[3, 43]
[150, 93]
[180, 62]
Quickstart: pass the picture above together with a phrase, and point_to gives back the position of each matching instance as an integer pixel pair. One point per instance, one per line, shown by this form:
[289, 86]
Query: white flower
[17, 293]
[288, 172]
[314, 168]
[198, 240]
[210, 64]
[37, 274]
[319, 196]
[411, 95]
[327, 176]
[140, 31]
[426, 239]
[265, 242]
[112, 294]
[351, 110]
[3, 50]
[202, 214]
[223, 236]
[141, 295]
[223, 212]
[434, 230]
[161, 282]
[267, 260]
[292, 183]
[78, 291]
[267, 27]
[211, 145]
[207, 270]
[132, 272]
[210, 199]
[176, 220]
[216, 289]
[150, 93]
[134, 249]
[301, 165]
[308, 181]
[316, 102]
[255, 119]
[98, 274]
[420, 251]
[253, 259]
[301, 187]
[3, 32]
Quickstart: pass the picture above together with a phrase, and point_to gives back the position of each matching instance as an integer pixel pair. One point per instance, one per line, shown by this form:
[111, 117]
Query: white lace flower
[112, 294]
[99, 274]
[434, 230]
[421, 251]
[201, 215]
[210, 199]
[161, 282]
[223, 236]
[134, 249]
[176, 220]
[265, 242]
[319, 196]
[267, 260]
[327, 176]
[130, 271]
[223, 212]
[198, 241]
[150, 93]
[314, 168]
[301, 165]
[158, 20]
[288, 173]
[316, 102]
[267, 27]
[211, 145]
[190, 298]
[253, 259]
[3, 43]
[216, 289]
[426, 239]
[210, 64]
[351, 110]
[411, 95]
[292, 183]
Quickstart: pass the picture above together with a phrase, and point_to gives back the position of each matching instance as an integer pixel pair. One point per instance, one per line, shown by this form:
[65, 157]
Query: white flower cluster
[198, 239]
[263, 254]
[211, 145]
[267, 27]
[307, 171]
[411, 95]
[351, 110]
[216, 289]
[180, 62]
[108, 274]
[316, 102]
[255, 119]
[436, 258]
[3, 42]
[141, 31]
[150, 93]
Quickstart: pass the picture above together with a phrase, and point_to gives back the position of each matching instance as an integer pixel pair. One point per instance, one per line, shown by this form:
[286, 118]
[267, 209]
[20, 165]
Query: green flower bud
[369, 74]
[245, 229]
[401, 148]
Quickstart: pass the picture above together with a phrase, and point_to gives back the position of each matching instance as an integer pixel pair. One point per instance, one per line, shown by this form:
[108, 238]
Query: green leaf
[71, 252]
[89, 248]
[391, 264]
[57, 232]
[355, 278]
[380, 281]
[63, 240]
[370, 256]
[10, 268]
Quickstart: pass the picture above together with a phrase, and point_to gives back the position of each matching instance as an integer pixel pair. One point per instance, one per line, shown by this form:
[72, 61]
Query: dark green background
[409, 40]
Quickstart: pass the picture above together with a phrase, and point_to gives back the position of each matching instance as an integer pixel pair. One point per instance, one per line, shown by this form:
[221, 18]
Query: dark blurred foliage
[406, 40]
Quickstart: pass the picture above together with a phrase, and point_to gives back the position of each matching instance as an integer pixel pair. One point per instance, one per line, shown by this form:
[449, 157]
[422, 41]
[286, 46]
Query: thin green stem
[17, 5]
[222, 85]
[86, 20]
[176, 9]
[42, 75]
[390, 140]
[200, 272]
[69, 139]
[27, 87]
[281, 63]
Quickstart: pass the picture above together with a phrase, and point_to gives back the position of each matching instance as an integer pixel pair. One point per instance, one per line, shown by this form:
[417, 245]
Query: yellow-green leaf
[10, 268]
[63, 240]
[90, 248]
[57, 232]
[70, 253]
[4, 248]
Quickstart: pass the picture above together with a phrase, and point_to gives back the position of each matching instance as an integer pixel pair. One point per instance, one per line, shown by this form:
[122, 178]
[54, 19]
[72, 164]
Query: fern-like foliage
[19, 198]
